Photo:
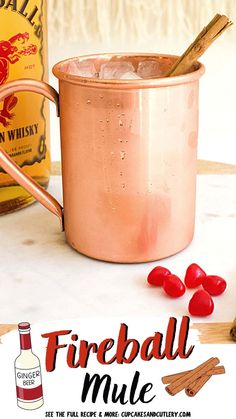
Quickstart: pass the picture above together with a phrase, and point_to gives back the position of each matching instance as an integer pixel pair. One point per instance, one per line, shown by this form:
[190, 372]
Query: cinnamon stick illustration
[167, 379]
[194, 388]
[191, 376]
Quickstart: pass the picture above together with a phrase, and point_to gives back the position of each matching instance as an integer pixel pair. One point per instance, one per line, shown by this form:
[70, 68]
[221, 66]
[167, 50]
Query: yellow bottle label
[23, 115]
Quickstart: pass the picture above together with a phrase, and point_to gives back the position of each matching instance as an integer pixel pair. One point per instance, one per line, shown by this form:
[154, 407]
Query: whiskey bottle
[24, 116]
[28, 373]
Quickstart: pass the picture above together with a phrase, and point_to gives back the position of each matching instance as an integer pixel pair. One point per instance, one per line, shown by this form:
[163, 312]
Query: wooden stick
[205, 38]
[191, 376]
[173, 377]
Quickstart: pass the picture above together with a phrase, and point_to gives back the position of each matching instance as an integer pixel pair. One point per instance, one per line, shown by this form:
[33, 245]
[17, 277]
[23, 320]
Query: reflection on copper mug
[129, 154]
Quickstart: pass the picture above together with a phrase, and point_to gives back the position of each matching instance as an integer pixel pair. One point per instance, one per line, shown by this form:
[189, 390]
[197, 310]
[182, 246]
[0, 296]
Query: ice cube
[130, 75]
[115, 69]
[85, 68]
[149, 68]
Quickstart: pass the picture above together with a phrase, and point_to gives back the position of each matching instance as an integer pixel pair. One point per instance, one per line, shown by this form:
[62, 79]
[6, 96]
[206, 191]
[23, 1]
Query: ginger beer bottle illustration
[24, 116]
[28, 373]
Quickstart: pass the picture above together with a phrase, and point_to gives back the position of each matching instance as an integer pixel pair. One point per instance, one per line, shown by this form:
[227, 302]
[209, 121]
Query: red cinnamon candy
[201, 304]
[173, 286]
[157, 276]
[214, 284]
[194, 276]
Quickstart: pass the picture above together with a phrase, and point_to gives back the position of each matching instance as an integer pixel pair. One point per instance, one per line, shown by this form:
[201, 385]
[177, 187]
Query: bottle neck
[25, 341]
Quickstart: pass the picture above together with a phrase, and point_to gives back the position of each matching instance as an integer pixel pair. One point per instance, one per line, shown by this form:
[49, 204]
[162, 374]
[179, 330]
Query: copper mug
[129, 154]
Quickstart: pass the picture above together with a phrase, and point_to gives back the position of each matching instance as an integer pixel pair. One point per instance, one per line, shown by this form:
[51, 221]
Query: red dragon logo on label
[10, 54]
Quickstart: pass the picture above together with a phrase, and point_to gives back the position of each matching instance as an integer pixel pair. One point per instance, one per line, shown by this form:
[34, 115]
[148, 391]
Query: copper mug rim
[198, 71]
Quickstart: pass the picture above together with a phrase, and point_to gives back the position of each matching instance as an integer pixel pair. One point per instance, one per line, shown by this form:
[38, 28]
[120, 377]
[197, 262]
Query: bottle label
[29, 384]
[23, 115]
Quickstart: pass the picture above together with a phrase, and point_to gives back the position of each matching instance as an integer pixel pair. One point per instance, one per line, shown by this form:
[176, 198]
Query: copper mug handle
[6, 162]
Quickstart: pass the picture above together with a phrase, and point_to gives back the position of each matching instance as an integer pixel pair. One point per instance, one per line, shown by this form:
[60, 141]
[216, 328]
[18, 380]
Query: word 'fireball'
[126, 350]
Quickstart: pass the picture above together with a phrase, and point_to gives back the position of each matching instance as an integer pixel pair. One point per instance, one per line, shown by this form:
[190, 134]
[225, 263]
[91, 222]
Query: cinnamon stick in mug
[167, 379]
[191, 376]
[204, 39]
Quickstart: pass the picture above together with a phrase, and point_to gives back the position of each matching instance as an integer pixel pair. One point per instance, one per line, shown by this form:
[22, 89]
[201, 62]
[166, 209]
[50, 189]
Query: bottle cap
[24, 326]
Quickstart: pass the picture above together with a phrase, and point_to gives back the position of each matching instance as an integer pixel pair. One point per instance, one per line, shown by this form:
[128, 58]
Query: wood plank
[214, 332]
[209, 332]
[56, 168]
[5, 328]
[204, 167]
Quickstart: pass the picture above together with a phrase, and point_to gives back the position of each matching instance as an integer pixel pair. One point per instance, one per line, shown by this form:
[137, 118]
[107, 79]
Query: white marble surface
[42, 278]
